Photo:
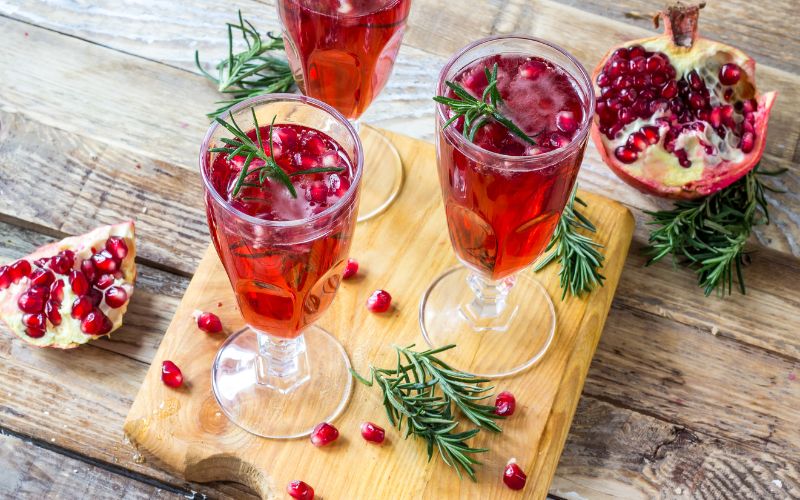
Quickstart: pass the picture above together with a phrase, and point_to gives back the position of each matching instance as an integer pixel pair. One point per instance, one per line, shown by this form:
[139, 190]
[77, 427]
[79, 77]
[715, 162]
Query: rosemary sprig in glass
[243, 145]
[709, 235]
[424, 391]
[250, 72]
[478, 112]
[578, 254]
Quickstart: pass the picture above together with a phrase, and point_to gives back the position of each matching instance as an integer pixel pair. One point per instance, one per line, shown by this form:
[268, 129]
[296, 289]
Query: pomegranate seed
[620, 53]
[625, 155]
[655, 63]
[43, 262]
[750, 106]
[30, 302]
[300, 490]
[694, 80]
[652, 134]
[748, 142]
[104, 281]
[60, 264]
[669, 90]
[697, 101]
[505, 404]
[317, 192]
[558, 140]
[57, 291]
[81, 307]
[34, 333]
[532, 70]
[565, 121]
[715, 118]
[36, 321]
[117, 248]
[96, 323]
[379, 301]
[209, 322]
[683, 158]
[372, 433]
[78, 282]
[603, 80]
[324, 434]
[729, 74]
[116, 297]
[728, 94]
[637, 142]
[315, 145]
[513, 476]
[350, 269]
[635, 51]
[104, 262]
[170, 374]
[19, 269]
[96, 296]
[42, 277]
[659, 79]
[52, 312]
[617, 68]
[5, 277]
[637, 64]
[88, 269]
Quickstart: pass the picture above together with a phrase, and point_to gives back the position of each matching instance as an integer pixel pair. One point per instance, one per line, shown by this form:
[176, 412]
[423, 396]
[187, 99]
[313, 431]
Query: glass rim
[549, 157]
[283, 97]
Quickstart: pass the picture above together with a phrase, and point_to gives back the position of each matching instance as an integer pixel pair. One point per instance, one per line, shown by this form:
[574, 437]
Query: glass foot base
[275, 413]
[383, 173]
[514, 341]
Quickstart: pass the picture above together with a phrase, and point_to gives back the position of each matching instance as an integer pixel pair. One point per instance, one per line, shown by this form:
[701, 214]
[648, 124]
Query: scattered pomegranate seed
[78, 282]
[104, 262]
[117, 248]
[96, 323]
[513, 476]
[209, 322]
[81, 307]
[31, 302]
[379, 301]
[5, 277]
[324, 434]
[104, 281]
[372, 433]
[42, 277]
[300, 490]
[57, 291]
[170, 374]
[19, 269]
[505, 404]
[729, 74]
[116, 297]
[350, 269]
[88, 269]
[52, 312]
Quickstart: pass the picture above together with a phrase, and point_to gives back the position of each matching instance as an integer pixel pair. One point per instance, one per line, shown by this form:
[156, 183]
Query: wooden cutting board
[401, 251]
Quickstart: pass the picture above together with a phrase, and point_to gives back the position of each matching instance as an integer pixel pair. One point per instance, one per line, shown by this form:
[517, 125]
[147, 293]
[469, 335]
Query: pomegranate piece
[372, 433]
[300, 490]
[379, 301]
[209, 322]
[170, 374]
[324, 434]
[32, 308]
[513, 476]
[677, 84]
[505, 404]
[350, 269]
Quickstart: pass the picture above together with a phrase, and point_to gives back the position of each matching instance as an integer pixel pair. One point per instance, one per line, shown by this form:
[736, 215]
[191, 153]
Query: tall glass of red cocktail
[284, 252]
[503, 197]
[342, 53]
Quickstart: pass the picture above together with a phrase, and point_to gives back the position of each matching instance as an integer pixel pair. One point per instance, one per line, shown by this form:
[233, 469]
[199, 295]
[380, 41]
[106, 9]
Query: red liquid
[342, 51]
[281, 285]
[500, 220]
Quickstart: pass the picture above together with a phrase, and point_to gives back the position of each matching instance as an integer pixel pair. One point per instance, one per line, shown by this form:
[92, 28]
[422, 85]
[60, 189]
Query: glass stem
[489, 308]
[282, 364]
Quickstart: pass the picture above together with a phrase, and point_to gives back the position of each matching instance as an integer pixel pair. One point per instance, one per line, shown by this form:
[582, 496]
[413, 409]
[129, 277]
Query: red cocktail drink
[342, 51]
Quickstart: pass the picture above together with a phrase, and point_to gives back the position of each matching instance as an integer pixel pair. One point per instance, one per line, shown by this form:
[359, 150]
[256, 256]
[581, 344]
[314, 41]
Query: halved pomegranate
[53, 297]
[678, 115]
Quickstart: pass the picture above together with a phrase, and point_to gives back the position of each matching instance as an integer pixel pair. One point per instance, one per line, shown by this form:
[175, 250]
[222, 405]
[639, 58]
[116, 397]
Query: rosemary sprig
[424, 391]
[478, 112]
[251, 72]
[709, 235]
[242, 145]
[577, 253]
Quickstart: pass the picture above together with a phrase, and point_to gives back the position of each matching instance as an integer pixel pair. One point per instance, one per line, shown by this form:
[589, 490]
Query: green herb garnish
[424, 391]
[709, 235]
[249, 73]
[478, 112]
[577, 253]
[242, 145]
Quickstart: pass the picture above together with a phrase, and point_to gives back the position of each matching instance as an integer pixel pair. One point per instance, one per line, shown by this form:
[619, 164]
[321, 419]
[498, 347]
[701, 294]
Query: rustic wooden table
[101, 117]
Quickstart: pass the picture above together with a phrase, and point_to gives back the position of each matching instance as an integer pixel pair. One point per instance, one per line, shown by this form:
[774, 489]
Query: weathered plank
[30, 471]
[616, 453]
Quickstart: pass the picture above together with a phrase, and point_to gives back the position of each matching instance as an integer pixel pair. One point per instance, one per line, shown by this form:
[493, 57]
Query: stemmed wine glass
[503, 198]
[284, 271]
[342, 53]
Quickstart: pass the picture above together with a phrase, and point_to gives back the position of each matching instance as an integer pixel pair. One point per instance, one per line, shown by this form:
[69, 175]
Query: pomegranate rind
[660, 174]
[68, 334]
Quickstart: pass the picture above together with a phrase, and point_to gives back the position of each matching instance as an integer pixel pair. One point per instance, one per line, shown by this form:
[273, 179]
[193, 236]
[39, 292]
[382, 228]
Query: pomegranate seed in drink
[513, 476]
[350, 269]
[372, 433]
[31, 302]
[209, 322]
[565, 121]
[116, 297]
[379, 301]
[170, 374]
[324, 434]
[19, 269]
[300, 490]
[81, 307]
[505, 404]
[78, 282]
[96, 323]
[117, 248]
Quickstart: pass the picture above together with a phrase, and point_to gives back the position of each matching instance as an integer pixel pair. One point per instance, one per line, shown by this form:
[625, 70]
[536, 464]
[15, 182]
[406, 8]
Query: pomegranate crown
[680, 22]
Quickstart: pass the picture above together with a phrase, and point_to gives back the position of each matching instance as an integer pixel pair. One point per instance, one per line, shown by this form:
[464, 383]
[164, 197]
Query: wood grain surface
[90, 90]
